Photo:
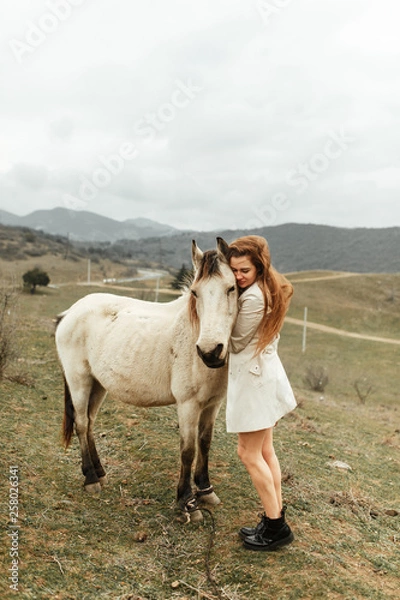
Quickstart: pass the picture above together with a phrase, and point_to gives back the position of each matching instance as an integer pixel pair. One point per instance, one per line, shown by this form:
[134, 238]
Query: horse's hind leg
[205, 492]
[85, 393]
[97, 396]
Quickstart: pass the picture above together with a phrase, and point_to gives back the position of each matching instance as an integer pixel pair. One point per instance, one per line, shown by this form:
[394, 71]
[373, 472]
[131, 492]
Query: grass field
[129, 543]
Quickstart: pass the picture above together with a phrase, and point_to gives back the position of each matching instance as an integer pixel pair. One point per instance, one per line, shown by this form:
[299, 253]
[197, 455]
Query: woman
[259, 392]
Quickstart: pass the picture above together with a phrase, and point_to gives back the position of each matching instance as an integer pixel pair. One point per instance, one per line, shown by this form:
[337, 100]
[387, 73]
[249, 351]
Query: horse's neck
[183, 320]
[183, 308]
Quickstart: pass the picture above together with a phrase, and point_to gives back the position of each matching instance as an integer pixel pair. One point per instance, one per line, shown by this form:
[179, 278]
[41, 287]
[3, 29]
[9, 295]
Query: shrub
[7, 328]
[363, 388]
[30, 237]
[36, 251]
[35, 277]
[316, 378]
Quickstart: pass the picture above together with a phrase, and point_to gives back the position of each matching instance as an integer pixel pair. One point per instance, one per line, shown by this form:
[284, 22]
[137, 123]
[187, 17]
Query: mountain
[294, 247]
[87, 226]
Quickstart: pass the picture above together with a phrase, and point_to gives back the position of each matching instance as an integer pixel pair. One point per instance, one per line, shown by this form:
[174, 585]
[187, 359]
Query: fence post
[157, 289]
[303, 348]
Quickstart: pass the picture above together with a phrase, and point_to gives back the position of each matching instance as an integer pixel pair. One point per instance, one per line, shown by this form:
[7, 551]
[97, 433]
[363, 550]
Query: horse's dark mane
[209, 265]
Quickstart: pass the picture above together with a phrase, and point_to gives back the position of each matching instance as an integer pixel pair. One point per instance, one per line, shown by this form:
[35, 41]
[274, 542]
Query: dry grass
[130, 544]
[367, 304]
[61, 270]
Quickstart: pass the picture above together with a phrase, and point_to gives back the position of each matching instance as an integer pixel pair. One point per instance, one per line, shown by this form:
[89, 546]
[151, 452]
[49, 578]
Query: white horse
[153, 354]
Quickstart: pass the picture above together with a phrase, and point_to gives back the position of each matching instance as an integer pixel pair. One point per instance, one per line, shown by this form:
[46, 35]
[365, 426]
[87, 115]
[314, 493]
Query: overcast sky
[205, 115]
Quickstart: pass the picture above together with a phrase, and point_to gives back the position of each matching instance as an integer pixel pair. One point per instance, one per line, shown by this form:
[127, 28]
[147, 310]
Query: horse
[153, 354]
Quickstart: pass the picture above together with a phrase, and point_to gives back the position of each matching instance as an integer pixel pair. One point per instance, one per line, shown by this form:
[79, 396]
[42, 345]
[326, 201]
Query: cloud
[29, 176]
[101, 103]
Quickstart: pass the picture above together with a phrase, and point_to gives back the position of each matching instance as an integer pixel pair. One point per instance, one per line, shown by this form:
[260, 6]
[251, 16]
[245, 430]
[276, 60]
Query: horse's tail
[68, 421]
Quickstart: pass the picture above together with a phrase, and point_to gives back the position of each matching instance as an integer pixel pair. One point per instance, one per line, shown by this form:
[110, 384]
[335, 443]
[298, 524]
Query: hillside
[21, 243]
[86, 226]
[22, 249]
[294, 247]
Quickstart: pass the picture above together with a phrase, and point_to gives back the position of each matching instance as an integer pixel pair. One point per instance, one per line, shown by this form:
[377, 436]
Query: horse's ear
[222, 247]
[197, 255]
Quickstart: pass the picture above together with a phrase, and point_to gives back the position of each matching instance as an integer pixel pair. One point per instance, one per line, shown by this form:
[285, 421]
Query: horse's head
[213, 303]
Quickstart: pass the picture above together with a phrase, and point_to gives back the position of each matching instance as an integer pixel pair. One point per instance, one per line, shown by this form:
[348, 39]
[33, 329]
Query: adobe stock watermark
[13, 527]
[267, 214]
[307, 172]
[301, 178]
[37, 32]
[267, 9]
[147, 128]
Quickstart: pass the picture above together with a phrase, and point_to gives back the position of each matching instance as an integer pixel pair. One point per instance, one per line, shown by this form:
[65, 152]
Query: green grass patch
[130, 544]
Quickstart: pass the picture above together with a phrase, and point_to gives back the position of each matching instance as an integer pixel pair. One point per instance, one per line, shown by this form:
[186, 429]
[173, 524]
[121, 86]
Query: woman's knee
[269, 454]
[268, 450]
[248, 456]
[243, 453]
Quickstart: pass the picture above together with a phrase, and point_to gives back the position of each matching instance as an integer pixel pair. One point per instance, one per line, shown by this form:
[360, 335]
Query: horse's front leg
[188, 416]
[205, 492]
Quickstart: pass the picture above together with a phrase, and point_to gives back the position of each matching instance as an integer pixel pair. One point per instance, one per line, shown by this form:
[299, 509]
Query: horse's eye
[193, 293]
[231, 289]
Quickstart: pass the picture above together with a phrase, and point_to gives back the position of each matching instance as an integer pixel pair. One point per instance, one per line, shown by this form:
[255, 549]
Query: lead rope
[210, 577]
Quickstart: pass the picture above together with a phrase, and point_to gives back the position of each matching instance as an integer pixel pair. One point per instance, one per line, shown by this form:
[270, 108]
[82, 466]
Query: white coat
[259, 392]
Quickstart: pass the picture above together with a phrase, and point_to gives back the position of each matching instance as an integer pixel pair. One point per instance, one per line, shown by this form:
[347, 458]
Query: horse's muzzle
[212, 359]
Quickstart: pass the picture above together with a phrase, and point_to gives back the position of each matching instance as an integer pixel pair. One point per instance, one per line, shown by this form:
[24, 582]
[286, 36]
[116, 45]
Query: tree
[35, 277]
[183, 278]
[7, 329]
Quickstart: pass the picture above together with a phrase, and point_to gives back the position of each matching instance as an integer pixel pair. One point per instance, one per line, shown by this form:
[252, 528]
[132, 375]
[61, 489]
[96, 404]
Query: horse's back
[124, 343]
[101, 309]
[106, 303]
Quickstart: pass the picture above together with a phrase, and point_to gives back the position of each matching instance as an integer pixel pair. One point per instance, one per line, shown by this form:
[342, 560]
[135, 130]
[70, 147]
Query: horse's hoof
[211, 499]
[103, 481]
[207, 496]
[93, 488]
[182, 517]
[189, 511]
[196, 516]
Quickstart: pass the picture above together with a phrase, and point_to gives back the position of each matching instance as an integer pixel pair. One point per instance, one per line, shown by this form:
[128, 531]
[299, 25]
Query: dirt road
[327, 329]
[334, 330]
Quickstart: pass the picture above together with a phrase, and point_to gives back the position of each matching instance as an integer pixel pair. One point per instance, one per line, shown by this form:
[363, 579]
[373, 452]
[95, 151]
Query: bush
[30, 237]
[363, 388]
[35, 277]
[36, 251]
[316, 378]
[7, 329]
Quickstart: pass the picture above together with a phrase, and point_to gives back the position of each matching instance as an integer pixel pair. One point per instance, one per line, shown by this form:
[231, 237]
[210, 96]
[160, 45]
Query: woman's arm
[251, 312]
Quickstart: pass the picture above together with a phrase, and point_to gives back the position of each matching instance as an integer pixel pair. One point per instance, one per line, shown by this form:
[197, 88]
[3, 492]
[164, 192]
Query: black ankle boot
[247, 531]
[275, 534]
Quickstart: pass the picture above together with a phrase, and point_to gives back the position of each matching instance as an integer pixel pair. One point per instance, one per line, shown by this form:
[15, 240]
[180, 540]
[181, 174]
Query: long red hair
[276, 289]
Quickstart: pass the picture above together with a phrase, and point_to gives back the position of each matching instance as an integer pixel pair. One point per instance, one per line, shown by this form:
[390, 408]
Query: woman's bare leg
[272, 461]
[263, 475]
